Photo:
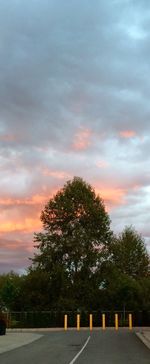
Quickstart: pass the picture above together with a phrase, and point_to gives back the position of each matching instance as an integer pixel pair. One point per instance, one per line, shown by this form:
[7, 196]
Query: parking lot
[83, 347]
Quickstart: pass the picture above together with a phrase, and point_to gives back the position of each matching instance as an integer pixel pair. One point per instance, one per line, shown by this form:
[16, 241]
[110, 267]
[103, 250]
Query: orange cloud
[37, 199]
[28, 225]
[56, 174]
[112, 196]
[127, 133]
[82, 139]
[15, 218]
[8, 138]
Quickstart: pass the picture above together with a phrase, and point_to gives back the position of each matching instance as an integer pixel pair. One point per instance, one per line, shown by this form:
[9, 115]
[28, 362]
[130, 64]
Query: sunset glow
[56, 174]
[82, 140]
[28, 225]
[74, 102]
[112, 197]
[127, 133]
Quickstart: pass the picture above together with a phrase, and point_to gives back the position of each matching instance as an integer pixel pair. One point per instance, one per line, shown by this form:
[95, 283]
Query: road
[72, 347]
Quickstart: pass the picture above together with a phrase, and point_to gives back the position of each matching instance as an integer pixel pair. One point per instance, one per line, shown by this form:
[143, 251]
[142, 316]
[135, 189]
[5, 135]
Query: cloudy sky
[74, 101]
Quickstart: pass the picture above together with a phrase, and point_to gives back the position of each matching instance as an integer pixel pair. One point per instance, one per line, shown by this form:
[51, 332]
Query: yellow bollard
[130, 321]
[65, 322]
[91, 322]
[116, 321]
[103, 321]
[78, 322]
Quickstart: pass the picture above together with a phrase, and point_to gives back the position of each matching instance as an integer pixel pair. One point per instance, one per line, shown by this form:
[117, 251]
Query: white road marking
[78, 354]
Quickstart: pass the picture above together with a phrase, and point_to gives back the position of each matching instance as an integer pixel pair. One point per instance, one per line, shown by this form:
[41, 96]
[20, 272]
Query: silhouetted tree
[74, 241]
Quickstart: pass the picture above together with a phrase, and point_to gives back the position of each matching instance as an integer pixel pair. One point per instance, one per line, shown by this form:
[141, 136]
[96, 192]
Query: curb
[144, 339]
[55, 329]
[14, 341]
[82, 328]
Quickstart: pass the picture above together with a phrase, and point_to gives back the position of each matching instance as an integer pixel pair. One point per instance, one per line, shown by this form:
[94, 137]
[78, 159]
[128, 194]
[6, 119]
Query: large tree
[76, 235]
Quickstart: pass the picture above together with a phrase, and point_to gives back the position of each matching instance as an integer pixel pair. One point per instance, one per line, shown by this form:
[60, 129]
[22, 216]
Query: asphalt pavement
[84, 347]
[13, 340]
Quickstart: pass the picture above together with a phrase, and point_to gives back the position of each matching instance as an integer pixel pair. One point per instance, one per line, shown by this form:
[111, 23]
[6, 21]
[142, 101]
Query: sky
[74, 101]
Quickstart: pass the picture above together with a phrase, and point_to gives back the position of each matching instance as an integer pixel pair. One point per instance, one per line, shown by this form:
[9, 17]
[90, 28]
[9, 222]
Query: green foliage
[129, 254]
[36, 291]
[75, 239]
[145, 293]
[10, 291]
[121, 291]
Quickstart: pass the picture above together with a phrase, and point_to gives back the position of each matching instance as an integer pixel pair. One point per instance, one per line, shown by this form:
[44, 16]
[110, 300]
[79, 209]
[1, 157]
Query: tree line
[79, 263]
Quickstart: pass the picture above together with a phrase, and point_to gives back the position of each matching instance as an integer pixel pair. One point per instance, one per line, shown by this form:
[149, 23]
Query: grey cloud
[65, 67]
[17, 259]
[85, 49]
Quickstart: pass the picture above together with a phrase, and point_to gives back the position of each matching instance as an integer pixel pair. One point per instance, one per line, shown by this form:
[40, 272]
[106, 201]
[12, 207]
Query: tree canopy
[75, 238]
[129, 253]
